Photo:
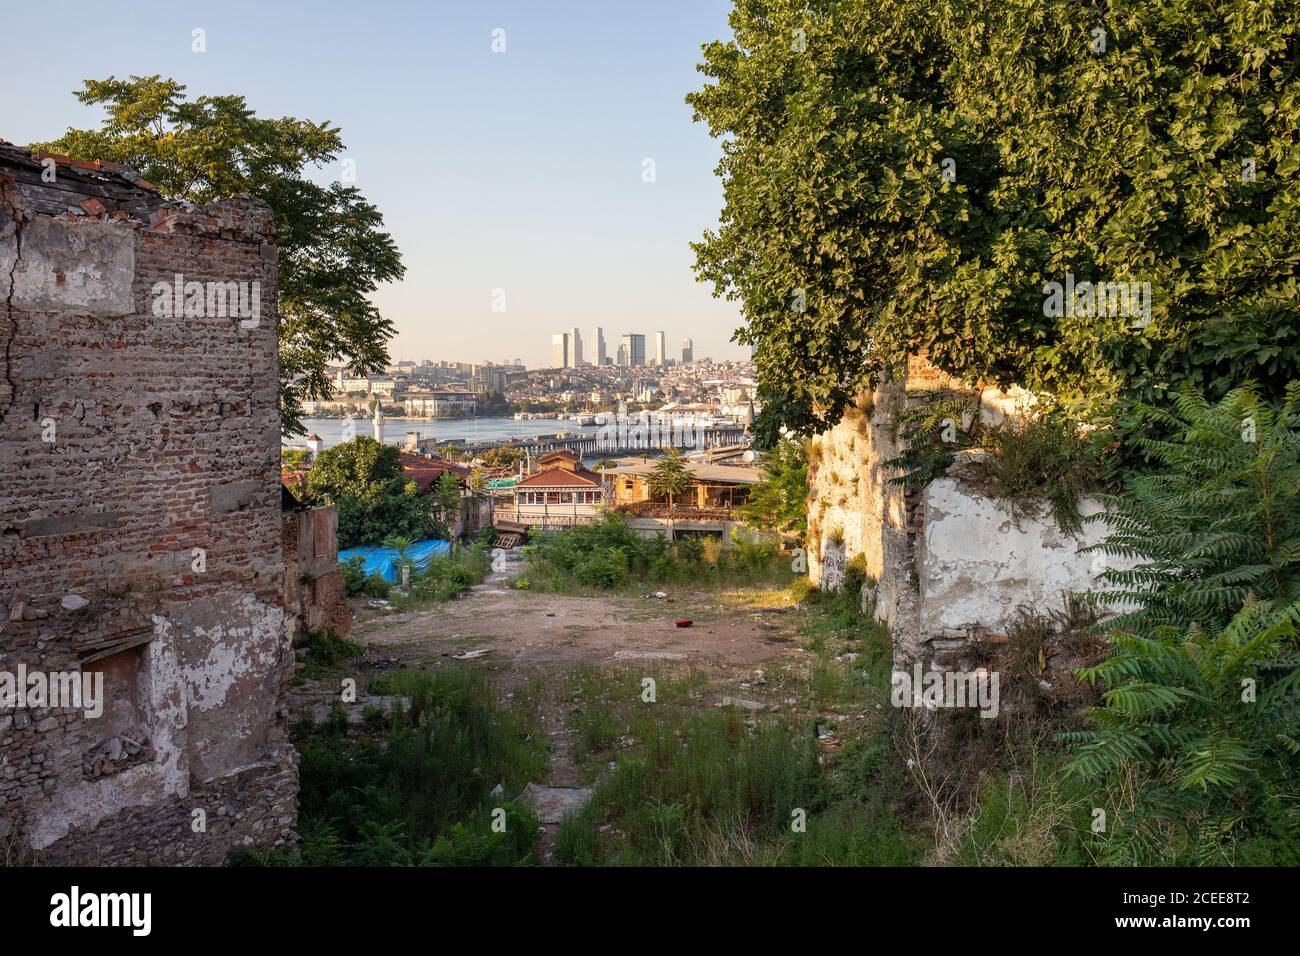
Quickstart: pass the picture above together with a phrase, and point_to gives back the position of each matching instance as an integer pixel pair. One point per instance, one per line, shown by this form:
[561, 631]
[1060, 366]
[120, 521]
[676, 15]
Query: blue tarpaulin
[385, 563]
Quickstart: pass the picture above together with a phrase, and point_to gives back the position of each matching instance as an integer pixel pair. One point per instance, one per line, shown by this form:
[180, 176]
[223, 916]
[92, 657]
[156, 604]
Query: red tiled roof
[426, 471]
[562, 453]
[561, 478]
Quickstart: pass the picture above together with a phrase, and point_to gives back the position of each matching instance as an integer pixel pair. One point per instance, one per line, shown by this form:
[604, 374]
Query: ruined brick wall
[140, 522]
[314, 594]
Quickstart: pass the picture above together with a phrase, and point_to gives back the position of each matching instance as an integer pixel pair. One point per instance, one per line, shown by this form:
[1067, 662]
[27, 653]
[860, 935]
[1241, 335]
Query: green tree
[402, 545]
[294, 457]
[503, 456]
[477, 482]
[779, 500]
[669, 478]
[447, 502]
[333, 250]
[363, 480]
[906, 176]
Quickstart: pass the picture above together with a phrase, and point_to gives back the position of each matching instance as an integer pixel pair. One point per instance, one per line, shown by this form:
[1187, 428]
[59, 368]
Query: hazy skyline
[521, 170]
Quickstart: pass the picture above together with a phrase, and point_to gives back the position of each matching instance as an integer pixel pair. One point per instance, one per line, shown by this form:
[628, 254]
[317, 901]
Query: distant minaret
[378, 421]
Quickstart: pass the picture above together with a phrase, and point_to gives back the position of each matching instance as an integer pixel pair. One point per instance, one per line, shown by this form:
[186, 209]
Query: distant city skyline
[562, 179]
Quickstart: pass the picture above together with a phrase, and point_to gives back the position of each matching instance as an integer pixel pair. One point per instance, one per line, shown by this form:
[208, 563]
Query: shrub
[1217, 521]
[354, 575]
[420, 791]
[1043, 459]
[1206, 725]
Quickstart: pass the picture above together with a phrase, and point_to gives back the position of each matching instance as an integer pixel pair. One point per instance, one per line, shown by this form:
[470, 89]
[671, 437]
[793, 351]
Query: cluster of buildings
[561, 492]
[421, 389]
[703, 386]
[567, 350]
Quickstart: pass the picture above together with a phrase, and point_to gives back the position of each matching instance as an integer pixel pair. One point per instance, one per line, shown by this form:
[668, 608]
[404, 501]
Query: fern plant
[1205, 728]
[1218, 520]
[931, 432]
[1200, 723]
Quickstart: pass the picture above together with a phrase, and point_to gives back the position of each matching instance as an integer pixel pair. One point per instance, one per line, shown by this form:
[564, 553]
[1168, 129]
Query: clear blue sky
[519, 170]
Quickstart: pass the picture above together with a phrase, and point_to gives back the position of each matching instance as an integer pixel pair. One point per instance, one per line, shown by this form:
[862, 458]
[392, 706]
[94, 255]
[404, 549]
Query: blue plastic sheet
[385, 563]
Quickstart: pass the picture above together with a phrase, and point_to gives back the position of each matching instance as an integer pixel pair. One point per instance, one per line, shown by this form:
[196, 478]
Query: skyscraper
[598, 346]
[575, 348]
[688, 351]
[634, 344]
[560, 347]
[622, 356]
[661, 350]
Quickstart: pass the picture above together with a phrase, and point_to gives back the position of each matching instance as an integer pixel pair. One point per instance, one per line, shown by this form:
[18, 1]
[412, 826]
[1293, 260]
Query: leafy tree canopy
[363, 480]
[905, 176]
[669, 477]
[333, 250]
[779, 501]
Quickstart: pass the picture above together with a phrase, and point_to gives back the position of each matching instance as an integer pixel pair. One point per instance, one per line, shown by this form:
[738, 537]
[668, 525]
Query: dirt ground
[518, 636]
[526, 633]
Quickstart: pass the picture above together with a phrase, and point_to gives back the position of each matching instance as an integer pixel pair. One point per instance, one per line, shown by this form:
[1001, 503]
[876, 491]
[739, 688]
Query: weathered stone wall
[314, 593]
[853, 510]
[140, 522]
[947, 564]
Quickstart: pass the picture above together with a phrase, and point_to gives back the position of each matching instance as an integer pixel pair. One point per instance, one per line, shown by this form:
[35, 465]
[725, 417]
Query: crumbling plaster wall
[950, 563]
[131, 444]
[979, 559]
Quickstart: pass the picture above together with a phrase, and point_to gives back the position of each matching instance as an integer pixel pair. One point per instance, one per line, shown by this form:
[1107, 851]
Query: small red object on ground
[685, 622]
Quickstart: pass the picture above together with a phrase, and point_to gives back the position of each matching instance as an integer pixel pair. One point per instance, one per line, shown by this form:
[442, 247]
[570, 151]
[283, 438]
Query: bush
[419, 793]
[1201, 720]
[1217, 521]
[1206, 727]
[354, 575]
[1044, 459]
[326, 649]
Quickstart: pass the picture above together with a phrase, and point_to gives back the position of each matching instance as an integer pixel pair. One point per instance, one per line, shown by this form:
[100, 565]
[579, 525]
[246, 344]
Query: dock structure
[610, 442]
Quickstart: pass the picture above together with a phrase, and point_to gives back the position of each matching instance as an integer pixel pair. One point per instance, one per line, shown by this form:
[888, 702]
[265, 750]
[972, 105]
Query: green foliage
[354, 575]
[720, 788]
[1044, 458]
[446, 498]
[1207, 726]
[364, 481]
[503, 456]
[333, 250]
[609, 554]
[1201, 715]
[778, 502]
[669, 477]
[849, 249]
[1217, 520]
[326, 650]
[446, 577]
[700, 787]
[930, 433]
[419, 791]
[1039, 816]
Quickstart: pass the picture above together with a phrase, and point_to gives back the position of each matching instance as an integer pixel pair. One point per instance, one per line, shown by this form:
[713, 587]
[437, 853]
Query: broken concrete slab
[649, 656]
[553, 804]
[743, 703]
